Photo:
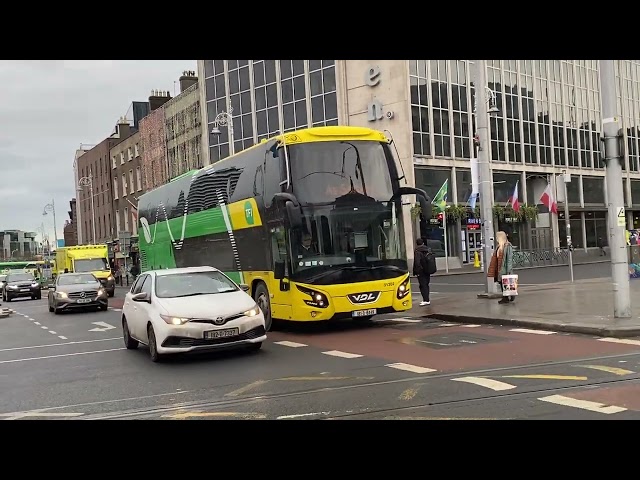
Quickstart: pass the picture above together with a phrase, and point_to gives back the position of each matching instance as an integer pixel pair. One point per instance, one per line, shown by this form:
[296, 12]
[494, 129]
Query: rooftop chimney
[187, 80]
[123, 128]
[158, 98]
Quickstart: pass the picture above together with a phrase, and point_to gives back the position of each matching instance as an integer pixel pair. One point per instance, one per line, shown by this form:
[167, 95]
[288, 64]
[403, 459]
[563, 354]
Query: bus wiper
[371, 267]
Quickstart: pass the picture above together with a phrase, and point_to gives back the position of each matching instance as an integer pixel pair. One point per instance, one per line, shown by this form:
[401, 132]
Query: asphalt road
[532, 276]
[69, 367]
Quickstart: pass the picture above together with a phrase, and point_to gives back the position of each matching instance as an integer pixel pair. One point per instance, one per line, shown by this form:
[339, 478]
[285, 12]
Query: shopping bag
[509, 285]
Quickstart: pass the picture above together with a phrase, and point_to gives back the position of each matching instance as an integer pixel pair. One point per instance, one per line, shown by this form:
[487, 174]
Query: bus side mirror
[278, 270]
[294, 215]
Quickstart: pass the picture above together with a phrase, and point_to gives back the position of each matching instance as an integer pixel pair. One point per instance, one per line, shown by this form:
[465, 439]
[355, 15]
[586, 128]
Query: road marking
[300, 415]
[535, 332]
[52, 332]
[546, 377]
[37, 323]
[583, 404]
[60, 344]
[486, 382]
[44, 328]
[625, 341]
[61, 355]
[408, 394]
[448, 324]
[63, 337]
[604, 368]
[402, 320]
[105, 327]
[115, 309]
[439, 418]
[324, 377]
[337, 353]
[18, 415]
[246, 388]
[185, 415]
[471, 326]
[410, 368]
[286, 343]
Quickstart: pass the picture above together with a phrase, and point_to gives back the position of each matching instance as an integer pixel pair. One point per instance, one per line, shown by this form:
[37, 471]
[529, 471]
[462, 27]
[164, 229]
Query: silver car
[77, 290]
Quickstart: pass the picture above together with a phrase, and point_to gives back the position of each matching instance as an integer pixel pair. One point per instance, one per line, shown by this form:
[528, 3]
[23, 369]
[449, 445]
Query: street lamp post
[88, 182]
[484, 168]
[225, 119]
[51, 208]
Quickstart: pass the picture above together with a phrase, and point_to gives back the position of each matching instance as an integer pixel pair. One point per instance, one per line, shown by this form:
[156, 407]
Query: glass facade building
[549, 122]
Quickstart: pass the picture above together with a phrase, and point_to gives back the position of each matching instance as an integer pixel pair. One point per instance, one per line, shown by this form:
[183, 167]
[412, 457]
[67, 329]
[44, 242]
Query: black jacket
[420, 252]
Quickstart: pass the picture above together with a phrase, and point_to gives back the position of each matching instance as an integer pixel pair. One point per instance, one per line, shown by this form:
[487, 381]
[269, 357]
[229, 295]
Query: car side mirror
[278, 270]
[141, 297]
[245, 288]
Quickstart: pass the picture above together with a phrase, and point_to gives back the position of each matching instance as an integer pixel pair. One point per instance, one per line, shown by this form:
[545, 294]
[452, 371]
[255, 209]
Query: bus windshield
[351, 230]
[90, 264]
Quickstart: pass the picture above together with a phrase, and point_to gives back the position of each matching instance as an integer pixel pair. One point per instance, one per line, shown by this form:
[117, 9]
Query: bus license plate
[364, 313]
[227, 332]
[84, 300]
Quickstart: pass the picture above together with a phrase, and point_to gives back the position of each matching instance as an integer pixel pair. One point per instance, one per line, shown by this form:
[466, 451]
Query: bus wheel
[261, 296]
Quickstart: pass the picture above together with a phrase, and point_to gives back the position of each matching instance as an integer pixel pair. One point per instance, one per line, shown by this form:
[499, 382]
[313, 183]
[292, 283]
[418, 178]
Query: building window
[543, 111]
[496, 121]
[266, 98]
[139, 178]
[528, 114]
[115, 188]
[114, 161]
[419, 107]
[460, 109]
[118, 229]
[322, 85]
[240, 98]
[136, 150]
[124, 184]
[217, 103]
[440, 100]
[130, 153]
[294, 103]
[126, 219]
[121, 158]
[595, 227]
[132, 185]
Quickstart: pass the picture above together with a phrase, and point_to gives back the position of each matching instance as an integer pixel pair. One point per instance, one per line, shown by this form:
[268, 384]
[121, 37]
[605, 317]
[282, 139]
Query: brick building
[153, 160]
[71, 226]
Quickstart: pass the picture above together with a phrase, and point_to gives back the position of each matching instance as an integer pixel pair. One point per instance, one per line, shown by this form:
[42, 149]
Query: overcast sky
[47, 109]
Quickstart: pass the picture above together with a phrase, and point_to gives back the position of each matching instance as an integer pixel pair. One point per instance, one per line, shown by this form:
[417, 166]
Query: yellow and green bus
[310, 220]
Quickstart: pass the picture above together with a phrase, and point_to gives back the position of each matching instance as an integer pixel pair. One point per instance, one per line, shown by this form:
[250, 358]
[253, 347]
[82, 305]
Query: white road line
[471, 326]
[44, 328]
[52, 332]
[625, 341]
[286, 343]
[59, 344]
[448, 324]
[64, 338]
[116, 309]
[337, 353]
[401, 320]
[19, 415]
[37, 323]
[535, 332]
[583, 404]
[61, 355]
[300, 415]
[486, 382]
[410, 368]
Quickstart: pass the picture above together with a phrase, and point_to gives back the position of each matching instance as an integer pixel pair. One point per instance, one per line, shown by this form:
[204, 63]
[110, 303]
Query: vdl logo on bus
[248, 212]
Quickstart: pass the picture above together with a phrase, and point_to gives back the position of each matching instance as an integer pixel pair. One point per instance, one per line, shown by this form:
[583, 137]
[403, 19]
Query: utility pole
[611, 136]
[484, 172]
[566, 177]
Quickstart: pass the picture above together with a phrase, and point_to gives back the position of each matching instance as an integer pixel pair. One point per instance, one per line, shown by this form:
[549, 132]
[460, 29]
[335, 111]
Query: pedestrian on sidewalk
[424, 265]
[501, 263]
[601, 245]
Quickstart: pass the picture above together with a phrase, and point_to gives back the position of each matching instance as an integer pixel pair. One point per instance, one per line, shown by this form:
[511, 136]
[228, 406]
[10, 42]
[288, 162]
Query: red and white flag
[548, 199]
[513, 199]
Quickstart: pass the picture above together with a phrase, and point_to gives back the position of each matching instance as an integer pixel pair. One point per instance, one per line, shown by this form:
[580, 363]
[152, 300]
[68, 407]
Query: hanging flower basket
[456, 212]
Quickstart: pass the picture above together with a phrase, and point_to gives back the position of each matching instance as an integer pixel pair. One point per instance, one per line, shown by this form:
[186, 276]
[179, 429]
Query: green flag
[440, 200]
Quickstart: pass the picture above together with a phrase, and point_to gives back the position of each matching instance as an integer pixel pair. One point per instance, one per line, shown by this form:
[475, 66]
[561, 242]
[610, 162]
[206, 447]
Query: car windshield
[90, 264]
[76, 279]
[192, 284]
[20, 277]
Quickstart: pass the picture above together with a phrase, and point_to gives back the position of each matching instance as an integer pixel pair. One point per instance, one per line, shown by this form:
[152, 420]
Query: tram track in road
[423, 380]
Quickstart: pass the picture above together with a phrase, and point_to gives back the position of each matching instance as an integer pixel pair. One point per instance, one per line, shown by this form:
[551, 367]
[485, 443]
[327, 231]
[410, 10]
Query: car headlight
[171, 320]
[101, 291]
[61, 295]
[404, 289]
[109, 278]
[252, 312]
[318, 299]
[35, 284]
[12, 287]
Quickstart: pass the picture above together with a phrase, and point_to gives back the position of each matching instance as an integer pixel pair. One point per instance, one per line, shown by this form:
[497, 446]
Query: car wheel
[50, 308]
[262, 299]
[129, 342]
[153, 347]
[55, 309]
[7, 298]
[103, 308]
[111, 294]
[254, 347]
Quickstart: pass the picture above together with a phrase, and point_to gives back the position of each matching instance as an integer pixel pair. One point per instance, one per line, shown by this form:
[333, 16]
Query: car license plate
[364, 313]
[225, 333]
[84, 300]
[24, 289]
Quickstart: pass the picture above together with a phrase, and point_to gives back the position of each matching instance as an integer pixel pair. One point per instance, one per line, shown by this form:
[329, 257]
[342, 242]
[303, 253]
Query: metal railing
[538, 258]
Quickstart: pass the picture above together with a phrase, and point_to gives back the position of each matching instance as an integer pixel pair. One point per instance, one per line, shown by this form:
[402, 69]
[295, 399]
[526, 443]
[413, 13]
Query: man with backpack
[424, 265]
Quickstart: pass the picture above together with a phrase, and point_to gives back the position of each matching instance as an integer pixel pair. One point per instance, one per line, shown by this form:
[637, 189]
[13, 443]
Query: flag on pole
[473, 198]
[440, 200]
[513, 199]
[548, 199]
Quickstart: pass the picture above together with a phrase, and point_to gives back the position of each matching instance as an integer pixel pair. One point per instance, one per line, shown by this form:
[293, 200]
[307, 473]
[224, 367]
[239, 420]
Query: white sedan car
[181, 310]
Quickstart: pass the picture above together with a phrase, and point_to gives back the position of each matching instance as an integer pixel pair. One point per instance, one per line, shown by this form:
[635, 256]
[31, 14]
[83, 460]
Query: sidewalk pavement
[585, 307]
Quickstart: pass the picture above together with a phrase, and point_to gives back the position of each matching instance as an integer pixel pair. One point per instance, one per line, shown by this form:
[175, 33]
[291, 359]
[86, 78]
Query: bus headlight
[317, 300]
[404, 289]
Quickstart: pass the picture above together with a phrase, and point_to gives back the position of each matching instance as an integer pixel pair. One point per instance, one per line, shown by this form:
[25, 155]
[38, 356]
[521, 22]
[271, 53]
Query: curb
[615, 332]
[519, 268]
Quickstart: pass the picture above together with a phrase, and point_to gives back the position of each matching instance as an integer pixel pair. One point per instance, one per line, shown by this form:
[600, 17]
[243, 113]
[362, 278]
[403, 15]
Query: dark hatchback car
[20, 285]
[77, 290]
